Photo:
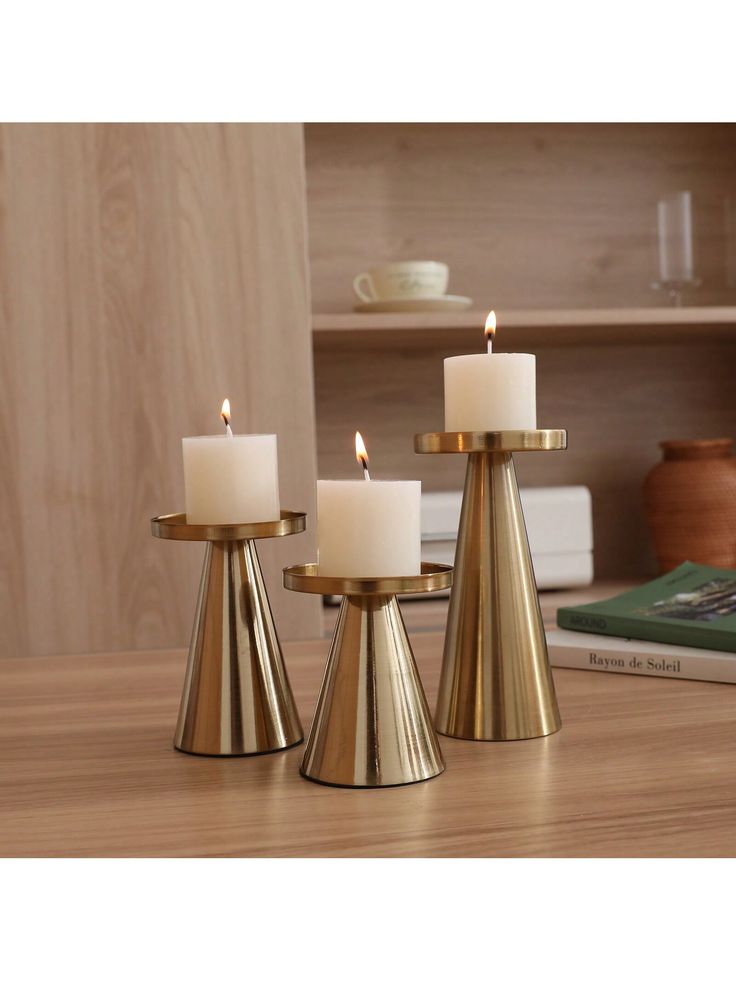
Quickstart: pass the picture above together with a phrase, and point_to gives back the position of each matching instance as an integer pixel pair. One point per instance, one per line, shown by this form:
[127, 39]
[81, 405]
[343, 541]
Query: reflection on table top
[642, 766]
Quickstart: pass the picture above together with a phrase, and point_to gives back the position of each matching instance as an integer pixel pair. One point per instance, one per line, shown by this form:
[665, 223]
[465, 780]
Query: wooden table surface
[642, 766]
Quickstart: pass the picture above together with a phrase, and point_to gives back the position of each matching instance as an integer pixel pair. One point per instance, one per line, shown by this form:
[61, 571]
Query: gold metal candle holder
[236, 700]
[372, 726]
[496, 681]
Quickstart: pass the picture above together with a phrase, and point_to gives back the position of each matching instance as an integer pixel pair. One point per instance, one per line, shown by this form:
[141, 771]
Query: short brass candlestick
[372, 726]
[237, 699]
[496, 681]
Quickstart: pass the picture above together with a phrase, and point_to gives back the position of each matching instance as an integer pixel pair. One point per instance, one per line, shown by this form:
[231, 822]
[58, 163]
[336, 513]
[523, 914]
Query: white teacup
[402, 280]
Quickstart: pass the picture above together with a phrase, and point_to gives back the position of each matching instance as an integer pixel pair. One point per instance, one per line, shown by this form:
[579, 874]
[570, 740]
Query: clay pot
[690, 503]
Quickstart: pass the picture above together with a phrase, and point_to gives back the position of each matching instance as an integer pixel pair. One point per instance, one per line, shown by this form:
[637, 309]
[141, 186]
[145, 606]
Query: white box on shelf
[559, 525]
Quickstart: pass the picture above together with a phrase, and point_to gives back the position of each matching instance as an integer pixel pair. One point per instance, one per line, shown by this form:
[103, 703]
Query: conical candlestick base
[496, 681]
[237, 700]
[372, 726]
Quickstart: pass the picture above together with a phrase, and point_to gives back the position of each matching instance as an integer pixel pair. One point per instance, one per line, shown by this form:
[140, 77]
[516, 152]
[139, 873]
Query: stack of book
[682, 625]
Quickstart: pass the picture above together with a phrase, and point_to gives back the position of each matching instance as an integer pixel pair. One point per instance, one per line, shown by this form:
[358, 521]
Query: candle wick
[228, 429]
[490, 344]
[366, 474]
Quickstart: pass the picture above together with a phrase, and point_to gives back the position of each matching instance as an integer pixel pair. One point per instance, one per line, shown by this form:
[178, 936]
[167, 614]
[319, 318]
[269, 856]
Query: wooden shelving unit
[555, 227]
[643, 324]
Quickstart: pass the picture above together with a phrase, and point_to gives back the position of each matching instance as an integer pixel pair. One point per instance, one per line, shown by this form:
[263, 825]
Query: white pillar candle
[230, 479]
[369, 528]
[490, 392]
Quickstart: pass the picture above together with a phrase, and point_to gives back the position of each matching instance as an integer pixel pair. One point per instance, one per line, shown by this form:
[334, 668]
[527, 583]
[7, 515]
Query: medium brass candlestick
[372, 726]
[496, 681]
[237, 699]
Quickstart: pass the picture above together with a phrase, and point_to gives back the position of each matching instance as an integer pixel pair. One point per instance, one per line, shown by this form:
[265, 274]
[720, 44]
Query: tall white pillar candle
[231, 479]
[490, 392]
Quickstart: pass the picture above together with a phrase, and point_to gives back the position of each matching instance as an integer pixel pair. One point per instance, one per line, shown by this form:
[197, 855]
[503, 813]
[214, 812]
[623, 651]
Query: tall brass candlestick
[237, 700]
[496, 681]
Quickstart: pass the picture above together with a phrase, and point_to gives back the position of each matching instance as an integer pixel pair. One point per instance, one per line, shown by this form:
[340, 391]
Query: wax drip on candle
[225, 413]
[490, 330]
[361, 455]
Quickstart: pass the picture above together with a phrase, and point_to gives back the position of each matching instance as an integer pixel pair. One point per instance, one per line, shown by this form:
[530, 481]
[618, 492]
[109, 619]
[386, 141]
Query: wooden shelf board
[592, 326]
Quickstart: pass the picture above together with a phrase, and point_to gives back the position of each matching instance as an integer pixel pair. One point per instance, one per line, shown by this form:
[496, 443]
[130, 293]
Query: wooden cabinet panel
[147, 272]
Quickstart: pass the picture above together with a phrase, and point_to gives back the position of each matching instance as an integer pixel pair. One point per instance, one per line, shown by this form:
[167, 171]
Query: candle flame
[361, 454]
[225, 414]
[490, 330]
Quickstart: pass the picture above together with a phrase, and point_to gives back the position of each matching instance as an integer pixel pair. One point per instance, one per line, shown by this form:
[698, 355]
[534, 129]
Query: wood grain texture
[147, 272]
[532, 215]
[616, 402]
[641, 767]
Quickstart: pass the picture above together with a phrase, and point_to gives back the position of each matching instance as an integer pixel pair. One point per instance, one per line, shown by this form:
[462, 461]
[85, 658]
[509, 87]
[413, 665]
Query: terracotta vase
[690, 503]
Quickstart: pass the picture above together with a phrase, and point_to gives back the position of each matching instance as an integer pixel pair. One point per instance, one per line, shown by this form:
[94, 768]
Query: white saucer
[415, 304]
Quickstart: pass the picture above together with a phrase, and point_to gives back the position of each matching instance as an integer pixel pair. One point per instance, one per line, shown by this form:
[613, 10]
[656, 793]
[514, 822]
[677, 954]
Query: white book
[599, 652]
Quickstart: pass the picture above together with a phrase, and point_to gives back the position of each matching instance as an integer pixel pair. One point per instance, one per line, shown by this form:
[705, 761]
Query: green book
[694, 606]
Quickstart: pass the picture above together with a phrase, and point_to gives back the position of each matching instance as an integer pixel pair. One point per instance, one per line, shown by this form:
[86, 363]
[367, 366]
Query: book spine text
[694, 668]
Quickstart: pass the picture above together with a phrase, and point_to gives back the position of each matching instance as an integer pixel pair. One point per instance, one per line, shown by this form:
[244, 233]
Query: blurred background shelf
[555, 227]
[604, 326]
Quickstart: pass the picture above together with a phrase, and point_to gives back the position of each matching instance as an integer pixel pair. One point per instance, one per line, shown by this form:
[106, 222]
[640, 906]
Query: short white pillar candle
[490, 392]
[230, 479]
[369, 529]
